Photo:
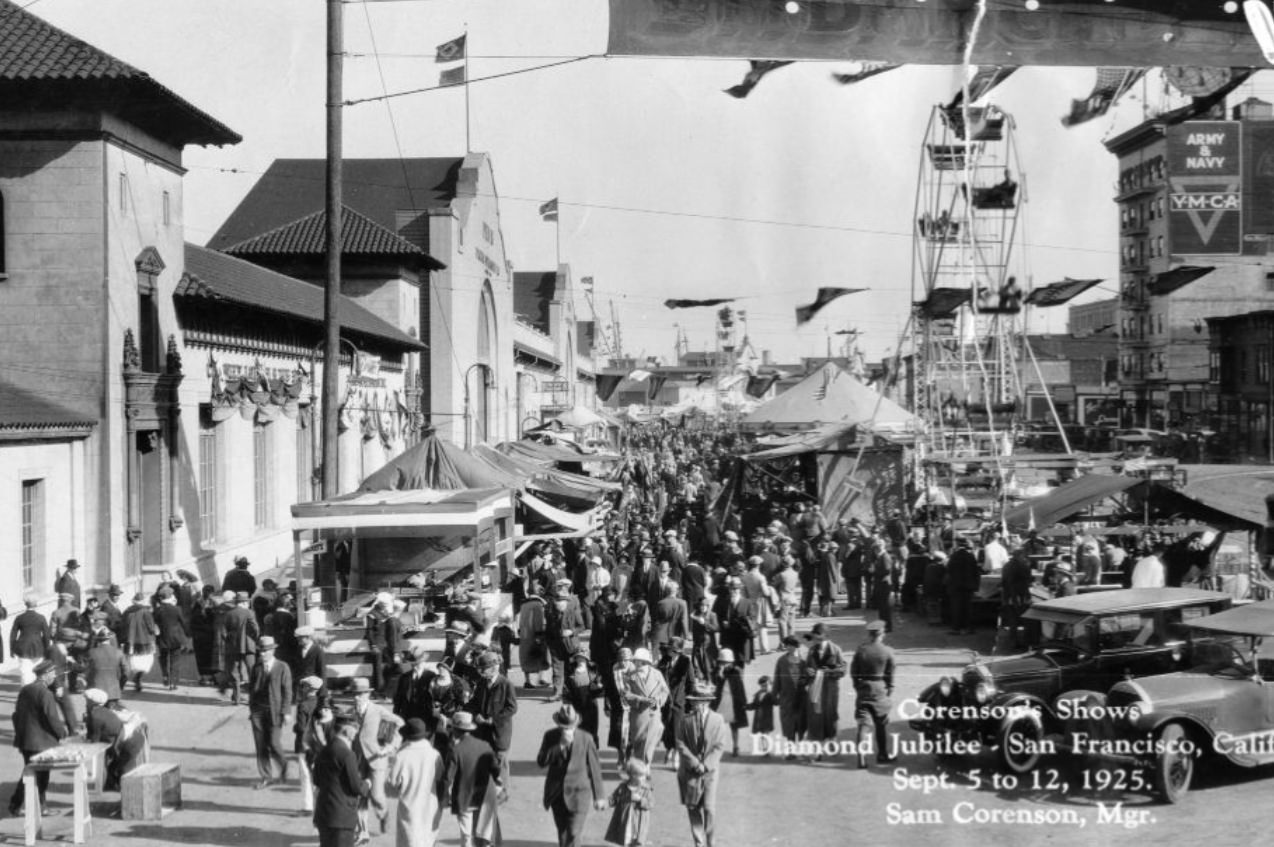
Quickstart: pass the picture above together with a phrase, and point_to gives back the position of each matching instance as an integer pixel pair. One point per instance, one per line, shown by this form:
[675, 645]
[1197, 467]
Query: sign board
[1205, 179]
[1258, 180]
[555, 385]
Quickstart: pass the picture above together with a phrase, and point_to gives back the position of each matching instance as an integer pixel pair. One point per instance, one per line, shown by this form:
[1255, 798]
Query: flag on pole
[691, 304]
[548, 210]
[453, 50]
[452, 76]
[804, 314]
[757, 68]
[586, 281]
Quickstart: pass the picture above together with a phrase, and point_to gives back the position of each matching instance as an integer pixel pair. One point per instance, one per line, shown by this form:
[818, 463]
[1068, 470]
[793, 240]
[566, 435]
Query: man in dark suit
[173, 638]
[30, 637]
[669, 618]
[412, 698]
[114, 614]
[339, 787]
[494, 703]
[269, 698]
[69, 583]
[574, 778]
[694, 584]
[737, 619]
[471, 769]
[37, 726]
[138, 632]
[240, 579]
[240, 634]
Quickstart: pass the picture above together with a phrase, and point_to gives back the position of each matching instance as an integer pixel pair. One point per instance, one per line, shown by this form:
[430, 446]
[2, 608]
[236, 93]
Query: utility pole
[331, 299]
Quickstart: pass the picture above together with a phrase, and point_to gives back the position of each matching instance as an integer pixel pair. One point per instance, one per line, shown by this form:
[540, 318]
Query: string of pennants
[1110, 83]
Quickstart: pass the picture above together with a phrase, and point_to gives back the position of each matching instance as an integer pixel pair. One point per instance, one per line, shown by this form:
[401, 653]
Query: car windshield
[1222, 655]
[1073, 634]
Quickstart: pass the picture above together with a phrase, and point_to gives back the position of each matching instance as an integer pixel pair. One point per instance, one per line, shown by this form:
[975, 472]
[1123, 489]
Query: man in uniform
[872, 671]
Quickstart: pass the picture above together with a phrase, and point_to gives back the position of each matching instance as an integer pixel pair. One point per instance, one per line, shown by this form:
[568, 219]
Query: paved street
[764, 801]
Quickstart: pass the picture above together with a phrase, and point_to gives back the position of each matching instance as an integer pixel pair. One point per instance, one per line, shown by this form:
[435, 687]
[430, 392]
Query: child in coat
[762, 708]
[632, 801]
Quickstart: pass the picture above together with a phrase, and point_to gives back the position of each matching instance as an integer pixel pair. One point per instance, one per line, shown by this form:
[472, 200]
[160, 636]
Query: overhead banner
[933, 33]
[869, 487]
[1205, 179]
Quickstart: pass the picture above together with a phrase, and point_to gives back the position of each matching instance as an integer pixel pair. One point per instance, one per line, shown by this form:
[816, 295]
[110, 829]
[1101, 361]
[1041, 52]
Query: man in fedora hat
[412, 697]
[493, 705]
[702, 737]
[872, 671]
[114, 614]
[269, 698]
[68, 582]
[240, 578]
[138, 630]
[473, 774]
[415, 775]
[737, 619]
[789, 690]
[239, 633]
[574, 779]
[964, 576]
[374, 744]
[339, 786]
[37, 726]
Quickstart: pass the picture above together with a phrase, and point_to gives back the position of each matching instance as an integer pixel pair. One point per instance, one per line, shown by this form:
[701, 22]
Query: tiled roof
[384, 190]
[359, 236]
[532, 293]
[217, 276]
[38, 60]
[21, 409]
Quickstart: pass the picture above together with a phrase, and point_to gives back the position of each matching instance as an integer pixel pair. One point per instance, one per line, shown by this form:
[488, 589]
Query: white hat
[641, 654]
[725, 655]
[384, 598]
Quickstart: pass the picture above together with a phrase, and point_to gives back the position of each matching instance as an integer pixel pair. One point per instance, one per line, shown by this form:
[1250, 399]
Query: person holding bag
[701, 740]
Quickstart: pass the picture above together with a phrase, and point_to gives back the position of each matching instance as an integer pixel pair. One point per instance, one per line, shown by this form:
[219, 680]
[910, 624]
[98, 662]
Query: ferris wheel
[967, 299]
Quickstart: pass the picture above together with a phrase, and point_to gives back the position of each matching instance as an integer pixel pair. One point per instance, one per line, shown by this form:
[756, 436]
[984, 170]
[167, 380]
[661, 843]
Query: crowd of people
[643, 635]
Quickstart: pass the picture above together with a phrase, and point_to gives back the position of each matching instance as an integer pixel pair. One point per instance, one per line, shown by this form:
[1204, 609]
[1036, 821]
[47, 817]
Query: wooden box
[150, 791]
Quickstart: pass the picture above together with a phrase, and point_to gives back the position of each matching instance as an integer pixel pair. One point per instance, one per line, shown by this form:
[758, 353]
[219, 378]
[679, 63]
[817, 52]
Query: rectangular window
[32, 531]
[261, 476]
[123, 193]
[1263, 364]
[167, 209]
[209, 470]
[304, 463]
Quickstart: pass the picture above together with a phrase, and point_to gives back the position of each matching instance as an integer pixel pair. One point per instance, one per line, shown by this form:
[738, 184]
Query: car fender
[1151, 723]
[1020, 701]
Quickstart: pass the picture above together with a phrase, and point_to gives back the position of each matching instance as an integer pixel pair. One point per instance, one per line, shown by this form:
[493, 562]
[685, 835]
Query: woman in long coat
[824, 668]
[416, 775]
[645, 692]
[533, 656]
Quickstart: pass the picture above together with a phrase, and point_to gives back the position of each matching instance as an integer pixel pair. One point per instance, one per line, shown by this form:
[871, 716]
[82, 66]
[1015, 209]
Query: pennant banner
[984, 79]
[1111, 84]
[825, 295]
[757, 69]
[758, 385]
[548, 210]
[868, 70]
[452, 51]
[943, 302]
[606, 385]
[1197, 82]
[690, 304]
[656, 383]
[1057, 293]
[1169, 281]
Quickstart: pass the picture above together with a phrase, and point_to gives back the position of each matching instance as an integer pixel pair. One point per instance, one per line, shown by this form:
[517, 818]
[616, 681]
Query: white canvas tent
[829, 395]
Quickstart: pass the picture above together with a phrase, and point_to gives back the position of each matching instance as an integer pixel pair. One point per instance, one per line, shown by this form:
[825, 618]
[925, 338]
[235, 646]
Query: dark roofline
[398, 246]
[57, 67]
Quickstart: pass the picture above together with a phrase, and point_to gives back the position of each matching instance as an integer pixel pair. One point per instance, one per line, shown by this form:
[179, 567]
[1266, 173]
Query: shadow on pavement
[242, 836]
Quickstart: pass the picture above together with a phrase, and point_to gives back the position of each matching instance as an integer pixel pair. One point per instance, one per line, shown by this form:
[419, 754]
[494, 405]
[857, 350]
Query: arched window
[486, 356]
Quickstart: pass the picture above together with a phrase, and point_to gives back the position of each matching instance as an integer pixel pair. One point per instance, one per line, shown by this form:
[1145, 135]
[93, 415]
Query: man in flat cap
[37, 726]
[269, 698]
[493, 705]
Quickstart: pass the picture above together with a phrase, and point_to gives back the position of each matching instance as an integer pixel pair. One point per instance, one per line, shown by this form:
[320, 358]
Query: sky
[667, 186]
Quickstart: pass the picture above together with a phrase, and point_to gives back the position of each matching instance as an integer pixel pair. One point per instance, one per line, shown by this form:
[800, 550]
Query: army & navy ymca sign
[1205, 178]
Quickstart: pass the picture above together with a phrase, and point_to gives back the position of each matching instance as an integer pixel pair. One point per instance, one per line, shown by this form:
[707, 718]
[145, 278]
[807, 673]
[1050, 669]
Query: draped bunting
[254, 396]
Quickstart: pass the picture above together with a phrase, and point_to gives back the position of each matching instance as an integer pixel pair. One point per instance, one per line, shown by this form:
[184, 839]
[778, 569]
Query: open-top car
[1223, 706]
[1090, 641]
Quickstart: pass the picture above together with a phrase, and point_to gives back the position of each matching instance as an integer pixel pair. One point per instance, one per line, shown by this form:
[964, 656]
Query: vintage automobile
[1165, 724]
[1088, 641]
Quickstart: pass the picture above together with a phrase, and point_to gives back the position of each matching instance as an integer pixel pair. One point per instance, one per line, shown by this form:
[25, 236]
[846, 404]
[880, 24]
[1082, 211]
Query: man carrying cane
[701, 739]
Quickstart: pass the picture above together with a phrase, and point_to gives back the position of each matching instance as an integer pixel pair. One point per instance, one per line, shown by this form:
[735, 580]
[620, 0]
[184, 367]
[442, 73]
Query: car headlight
[983, 692]
[945, 686]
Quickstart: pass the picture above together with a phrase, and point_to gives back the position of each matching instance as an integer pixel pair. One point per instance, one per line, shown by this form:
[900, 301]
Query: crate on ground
[150, 791]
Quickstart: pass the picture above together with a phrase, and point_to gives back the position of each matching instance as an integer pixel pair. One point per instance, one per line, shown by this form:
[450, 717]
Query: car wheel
[1020, 743]
[1174, 766]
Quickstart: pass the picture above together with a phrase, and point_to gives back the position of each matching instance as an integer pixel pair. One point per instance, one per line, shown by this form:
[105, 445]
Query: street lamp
[468, 440]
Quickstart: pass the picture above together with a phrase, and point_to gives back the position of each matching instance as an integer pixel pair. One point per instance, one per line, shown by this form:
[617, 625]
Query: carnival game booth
[419, 545]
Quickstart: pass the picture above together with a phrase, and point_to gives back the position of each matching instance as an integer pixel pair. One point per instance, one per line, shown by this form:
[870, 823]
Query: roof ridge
[348, 216]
